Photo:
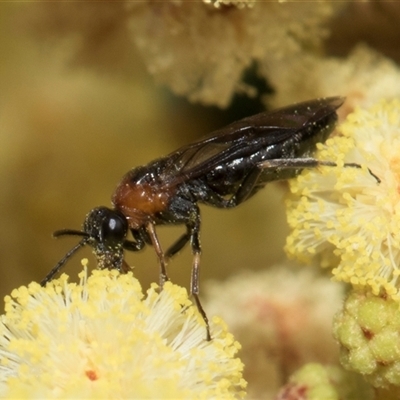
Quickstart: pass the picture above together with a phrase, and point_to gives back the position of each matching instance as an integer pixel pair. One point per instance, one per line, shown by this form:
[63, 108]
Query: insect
[222, 170]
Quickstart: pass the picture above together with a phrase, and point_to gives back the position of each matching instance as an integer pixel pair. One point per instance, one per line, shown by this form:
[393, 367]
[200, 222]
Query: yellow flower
[343, 216]
[102, 338]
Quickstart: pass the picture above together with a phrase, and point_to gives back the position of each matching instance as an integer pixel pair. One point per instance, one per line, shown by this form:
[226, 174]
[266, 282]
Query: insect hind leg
[276, 167]
[307, 162]
[247, 188]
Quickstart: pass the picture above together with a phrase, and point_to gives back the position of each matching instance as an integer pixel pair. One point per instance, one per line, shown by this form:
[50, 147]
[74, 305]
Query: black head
[106, 228]
[103, 229]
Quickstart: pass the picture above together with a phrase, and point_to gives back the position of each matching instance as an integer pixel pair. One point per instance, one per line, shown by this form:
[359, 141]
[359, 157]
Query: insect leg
[277, 168]
[307, 162]
[160, 254]
[125, 267]
[293, 163]
[178, 245]
[131, 245]
[194, 229]
[245, 190]
[137, 244]
[247, 187]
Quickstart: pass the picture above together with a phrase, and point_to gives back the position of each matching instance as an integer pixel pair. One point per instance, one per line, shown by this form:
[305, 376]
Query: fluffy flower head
[202, 50]
[275, 314]
[102, 338]
[349, 218]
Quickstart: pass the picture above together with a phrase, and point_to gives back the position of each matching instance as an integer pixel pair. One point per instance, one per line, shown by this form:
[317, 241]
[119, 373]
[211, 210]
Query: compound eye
[106, 227]
[113, 229]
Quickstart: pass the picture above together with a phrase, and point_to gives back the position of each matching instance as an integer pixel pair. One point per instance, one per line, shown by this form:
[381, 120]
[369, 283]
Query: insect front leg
[160, 254]
[139, 242]
[131, 245]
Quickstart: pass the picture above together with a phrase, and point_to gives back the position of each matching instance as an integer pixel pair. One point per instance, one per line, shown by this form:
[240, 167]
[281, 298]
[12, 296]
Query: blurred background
[71, 129]
[79, 108]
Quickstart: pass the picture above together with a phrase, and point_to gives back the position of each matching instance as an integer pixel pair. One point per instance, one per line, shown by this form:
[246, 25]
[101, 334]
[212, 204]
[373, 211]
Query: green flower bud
[368, 330]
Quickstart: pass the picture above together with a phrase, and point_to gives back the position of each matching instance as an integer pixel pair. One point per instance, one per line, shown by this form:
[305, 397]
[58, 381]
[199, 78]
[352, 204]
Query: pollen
[348, 217]
[104, 338]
